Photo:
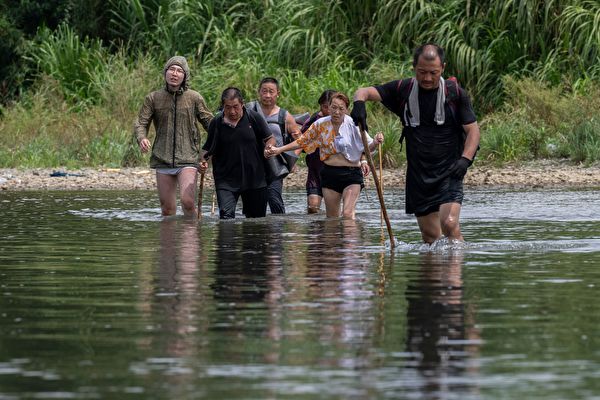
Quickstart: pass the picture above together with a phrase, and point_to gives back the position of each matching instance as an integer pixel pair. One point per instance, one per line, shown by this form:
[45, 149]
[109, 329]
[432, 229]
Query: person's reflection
[173, 302]
[331, 254]
[241, 254]
[259, 293]
[246, 289]
[441, 334]
[174, 295]
[340, 291]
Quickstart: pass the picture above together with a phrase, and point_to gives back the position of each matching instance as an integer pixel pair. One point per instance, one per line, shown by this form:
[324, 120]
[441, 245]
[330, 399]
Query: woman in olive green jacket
[175, 111]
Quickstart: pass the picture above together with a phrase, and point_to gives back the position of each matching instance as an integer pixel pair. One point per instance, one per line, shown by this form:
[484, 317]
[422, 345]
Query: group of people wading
[439, 127]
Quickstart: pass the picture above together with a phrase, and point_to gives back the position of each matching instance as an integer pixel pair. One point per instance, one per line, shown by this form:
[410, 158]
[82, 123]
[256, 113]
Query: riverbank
[536, 174]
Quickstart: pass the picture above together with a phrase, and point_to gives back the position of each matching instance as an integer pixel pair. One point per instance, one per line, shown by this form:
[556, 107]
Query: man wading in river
[282, 124]
[174, 110]
[442, 137]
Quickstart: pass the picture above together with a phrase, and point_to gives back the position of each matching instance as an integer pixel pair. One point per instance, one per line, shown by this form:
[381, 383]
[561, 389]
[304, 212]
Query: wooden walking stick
[200, 195]
[378, 186]
[380, 176]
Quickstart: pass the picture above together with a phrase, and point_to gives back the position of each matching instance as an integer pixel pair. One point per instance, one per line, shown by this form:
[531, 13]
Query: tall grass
[79, 66]
[44, 129]
[580, 30]
[584, 144]
[531, 66]
[485, 40]
[539, 121]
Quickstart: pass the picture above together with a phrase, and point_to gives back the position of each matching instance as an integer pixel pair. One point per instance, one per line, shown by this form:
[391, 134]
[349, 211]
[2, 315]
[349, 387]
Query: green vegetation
[539, 121]
[75, 75]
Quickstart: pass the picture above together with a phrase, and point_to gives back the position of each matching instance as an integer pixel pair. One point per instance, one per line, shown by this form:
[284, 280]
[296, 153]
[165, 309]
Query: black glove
[359, 114]
[459, 168]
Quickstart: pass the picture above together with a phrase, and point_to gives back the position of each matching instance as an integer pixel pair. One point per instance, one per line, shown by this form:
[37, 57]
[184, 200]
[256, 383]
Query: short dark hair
[326, 96]
[231, 93]
[268, 79]
[421, 49]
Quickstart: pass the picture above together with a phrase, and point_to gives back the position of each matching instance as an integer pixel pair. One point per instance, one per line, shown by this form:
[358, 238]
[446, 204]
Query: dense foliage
[65, 60]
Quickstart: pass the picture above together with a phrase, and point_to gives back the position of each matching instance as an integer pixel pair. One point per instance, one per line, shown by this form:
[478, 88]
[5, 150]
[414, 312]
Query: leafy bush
[484, 40]
[45, 130]
[505, 138]
[80, 66]
[540, 121]
[87, 95]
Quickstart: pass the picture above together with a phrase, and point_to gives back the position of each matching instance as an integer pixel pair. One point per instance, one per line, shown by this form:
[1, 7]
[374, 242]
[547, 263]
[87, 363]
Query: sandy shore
[534, 174]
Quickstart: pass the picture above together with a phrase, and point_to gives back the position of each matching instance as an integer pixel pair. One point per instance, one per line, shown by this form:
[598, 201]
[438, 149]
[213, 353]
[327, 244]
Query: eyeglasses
[176, 70]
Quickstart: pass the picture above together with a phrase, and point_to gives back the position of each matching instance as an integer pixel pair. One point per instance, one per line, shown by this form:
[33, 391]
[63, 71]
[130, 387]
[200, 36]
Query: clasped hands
[271, 151]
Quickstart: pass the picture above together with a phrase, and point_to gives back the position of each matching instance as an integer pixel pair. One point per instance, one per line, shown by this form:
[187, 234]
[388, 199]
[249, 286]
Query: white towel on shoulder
[412, 113]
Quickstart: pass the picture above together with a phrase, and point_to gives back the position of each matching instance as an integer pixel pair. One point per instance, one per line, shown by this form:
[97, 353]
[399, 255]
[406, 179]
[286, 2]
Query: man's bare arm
[472, 140]
[367, 94]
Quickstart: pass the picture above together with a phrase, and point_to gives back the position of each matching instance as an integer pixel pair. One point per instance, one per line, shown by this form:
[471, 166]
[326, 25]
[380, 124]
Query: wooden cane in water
[212, 207]
[380, 175]
[378, 186]
[200, 195]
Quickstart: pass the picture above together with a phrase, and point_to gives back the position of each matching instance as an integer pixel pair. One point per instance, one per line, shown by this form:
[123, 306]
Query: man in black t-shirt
[436, 115]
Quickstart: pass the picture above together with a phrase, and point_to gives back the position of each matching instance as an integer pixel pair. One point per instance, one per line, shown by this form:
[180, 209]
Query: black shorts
[339, 178]
[452, 193]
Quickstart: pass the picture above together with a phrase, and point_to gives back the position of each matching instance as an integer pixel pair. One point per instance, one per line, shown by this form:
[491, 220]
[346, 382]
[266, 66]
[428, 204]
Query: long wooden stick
[380, 175]
[212, 207]
[379, 190]
[380, 166]
[200, 195]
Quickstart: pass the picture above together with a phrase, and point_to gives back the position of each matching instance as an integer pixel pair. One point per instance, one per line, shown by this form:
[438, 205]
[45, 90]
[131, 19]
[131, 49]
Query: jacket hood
[181, 62]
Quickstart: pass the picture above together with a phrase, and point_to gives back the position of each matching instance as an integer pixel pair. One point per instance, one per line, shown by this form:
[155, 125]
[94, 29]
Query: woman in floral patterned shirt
[341, 150]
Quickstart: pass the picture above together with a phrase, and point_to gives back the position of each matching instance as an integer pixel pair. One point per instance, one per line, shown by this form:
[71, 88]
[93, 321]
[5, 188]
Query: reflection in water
[336, 266]
[176, 282]
[339, 293]
[316, 292]
[268, 297]
[441, 335]
[246, 288]
[172, 300]
[296, 307]
[243, 251]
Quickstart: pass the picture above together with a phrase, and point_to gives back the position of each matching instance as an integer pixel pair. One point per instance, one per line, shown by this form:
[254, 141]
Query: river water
[102, 298]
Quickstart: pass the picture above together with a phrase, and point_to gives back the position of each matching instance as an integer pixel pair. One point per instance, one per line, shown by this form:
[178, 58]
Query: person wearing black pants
[235, 143]
[282, 124]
